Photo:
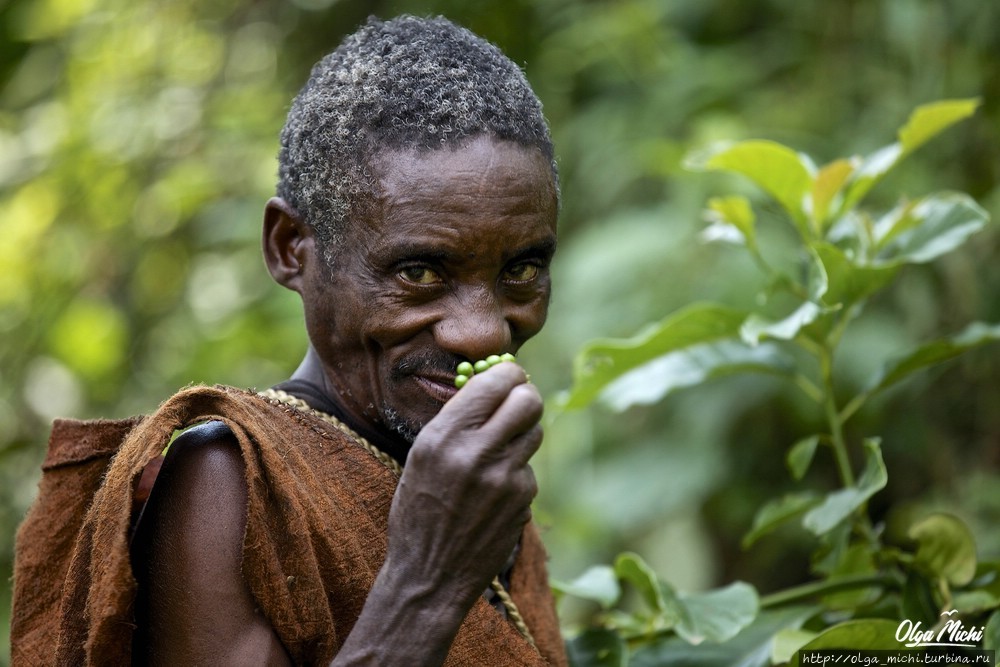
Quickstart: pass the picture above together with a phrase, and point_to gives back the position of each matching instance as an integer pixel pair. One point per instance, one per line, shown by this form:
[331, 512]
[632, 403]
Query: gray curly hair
[405, 83]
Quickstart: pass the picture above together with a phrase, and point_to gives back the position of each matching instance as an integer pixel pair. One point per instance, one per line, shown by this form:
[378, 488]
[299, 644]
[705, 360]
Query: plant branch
[833, 417]
[818, 588]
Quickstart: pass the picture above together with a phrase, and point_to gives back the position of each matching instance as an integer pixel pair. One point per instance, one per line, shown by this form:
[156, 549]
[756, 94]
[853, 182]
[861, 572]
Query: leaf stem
[853, 406]
[833, 417]
[818, 588]
[809, 387]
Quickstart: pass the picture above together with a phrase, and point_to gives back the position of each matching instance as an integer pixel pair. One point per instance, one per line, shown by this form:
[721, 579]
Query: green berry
[493, 359]
[460, 380]
[466, 369]
[506, 356]
[481, 365]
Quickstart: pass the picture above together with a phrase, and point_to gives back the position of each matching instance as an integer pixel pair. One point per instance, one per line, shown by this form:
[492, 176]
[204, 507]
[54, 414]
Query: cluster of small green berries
[465, 370]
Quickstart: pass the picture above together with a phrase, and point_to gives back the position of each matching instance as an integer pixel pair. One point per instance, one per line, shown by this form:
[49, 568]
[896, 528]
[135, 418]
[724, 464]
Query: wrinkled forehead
[479, 168]
[484, 198]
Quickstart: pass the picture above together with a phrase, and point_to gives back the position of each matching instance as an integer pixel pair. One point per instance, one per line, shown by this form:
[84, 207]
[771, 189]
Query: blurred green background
[137, 144]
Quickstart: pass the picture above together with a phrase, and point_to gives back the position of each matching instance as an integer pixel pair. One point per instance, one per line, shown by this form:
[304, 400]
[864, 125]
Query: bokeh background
[137, 144]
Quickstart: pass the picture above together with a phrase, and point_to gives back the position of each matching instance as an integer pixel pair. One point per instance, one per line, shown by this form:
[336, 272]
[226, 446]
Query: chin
[406, 428]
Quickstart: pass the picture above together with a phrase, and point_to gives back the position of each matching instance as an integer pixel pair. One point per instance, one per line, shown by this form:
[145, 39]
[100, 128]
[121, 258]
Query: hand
[466, 490]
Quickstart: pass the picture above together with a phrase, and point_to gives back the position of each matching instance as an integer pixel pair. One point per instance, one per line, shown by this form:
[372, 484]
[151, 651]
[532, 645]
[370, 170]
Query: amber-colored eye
[419, 275]
[522, 273]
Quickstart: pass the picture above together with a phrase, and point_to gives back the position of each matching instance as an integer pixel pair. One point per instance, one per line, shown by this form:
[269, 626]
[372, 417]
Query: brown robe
[315, 539]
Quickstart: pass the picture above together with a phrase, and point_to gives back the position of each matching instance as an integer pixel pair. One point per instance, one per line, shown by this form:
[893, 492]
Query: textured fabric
[316, 535]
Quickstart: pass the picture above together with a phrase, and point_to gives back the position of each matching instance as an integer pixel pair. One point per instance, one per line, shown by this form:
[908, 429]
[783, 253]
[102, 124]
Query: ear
[288, 244]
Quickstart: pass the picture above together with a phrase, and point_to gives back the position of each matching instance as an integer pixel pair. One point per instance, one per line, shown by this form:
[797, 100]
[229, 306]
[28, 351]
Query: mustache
[439, 361]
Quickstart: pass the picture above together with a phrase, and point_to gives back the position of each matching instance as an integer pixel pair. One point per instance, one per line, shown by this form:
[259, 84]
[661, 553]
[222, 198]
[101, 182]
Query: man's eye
[522, 273]
[419, 275]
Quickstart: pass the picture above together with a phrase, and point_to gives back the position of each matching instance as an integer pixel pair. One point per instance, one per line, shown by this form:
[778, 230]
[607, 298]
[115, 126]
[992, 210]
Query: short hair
[407, 83]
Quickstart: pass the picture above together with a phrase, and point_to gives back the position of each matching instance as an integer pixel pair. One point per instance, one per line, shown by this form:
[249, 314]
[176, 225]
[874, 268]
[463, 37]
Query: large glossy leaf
[865, 634]
[935, 352]
[717, 615]
[924, 123]
[927, 229]
[749, 648]
[945, 548]
[603, 360]
[597, 647]
[691, 366]
[778, 170]
[839, 505]
[598, 584]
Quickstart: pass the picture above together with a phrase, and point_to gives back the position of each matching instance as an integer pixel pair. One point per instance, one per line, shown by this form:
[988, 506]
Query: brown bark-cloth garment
[315, 539]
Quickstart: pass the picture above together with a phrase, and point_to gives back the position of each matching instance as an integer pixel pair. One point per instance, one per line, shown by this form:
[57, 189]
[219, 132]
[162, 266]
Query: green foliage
[848, 255]
[137, 144]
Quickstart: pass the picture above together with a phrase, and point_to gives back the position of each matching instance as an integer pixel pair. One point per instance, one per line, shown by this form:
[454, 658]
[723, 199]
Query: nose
[474, 328]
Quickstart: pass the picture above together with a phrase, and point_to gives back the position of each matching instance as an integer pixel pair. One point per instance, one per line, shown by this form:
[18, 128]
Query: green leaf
[788, 642]
[598, 584]
[777, 169]
[750, 648]
[833, 548]
[918, 601]
[597, 648]
[927, 229]
[847, 282]
[602, 360]
[946, 548]
[924, 123]
[717, 615]
[842, 503]
[974, 602]
[829, 182]
[691, 366]
[632, 568]
[856, 560]
[800, 456]
[864, 634]
[777, 512]
[869, 173]
[991, 634]
[731, 219]
[928, 120]
[756, 327]
[935, 352]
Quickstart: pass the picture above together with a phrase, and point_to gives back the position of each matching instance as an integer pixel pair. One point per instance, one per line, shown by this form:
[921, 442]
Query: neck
[311, 371]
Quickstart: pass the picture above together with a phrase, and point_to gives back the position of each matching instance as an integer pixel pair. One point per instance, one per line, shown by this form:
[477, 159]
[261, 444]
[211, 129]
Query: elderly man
[365, 511]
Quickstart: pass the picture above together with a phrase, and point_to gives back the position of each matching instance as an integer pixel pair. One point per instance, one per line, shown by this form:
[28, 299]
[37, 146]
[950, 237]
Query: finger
[484, 393]
[520, 411]
[521, 448]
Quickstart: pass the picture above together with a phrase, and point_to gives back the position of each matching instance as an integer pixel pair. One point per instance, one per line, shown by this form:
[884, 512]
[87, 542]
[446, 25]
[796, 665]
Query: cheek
[528, 318]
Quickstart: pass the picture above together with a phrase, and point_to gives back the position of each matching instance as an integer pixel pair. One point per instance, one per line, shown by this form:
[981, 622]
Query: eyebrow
[434, 253]
[544, 249]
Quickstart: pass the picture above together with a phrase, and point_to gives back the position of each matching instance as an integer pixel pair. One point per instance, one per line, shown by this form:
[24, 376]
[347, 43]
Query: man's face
[452, 264]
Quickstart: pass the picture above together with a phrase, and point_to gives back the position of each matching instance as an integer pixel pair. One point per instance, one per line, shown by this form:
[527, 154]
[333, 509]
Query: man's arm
[194, 607]
[462, 502]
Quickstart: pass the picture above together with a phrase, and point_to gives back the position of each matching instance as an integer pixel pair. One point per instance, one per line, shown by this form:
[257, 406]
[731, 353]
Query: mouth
[438, 388]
